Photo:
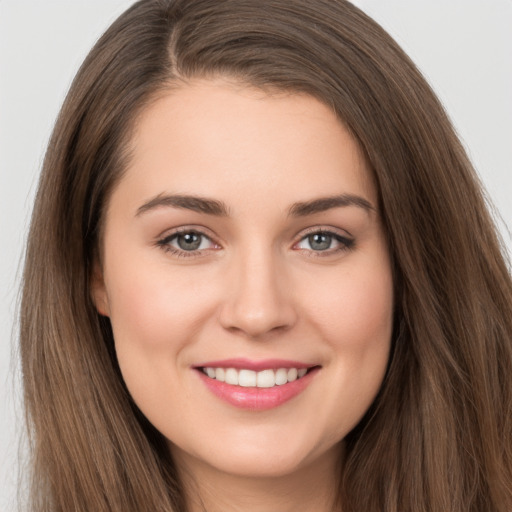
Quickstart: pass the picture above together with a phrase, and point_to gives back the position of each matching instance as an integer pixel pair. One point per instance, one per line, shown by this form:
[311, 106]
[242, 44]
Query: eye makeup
[186, 242]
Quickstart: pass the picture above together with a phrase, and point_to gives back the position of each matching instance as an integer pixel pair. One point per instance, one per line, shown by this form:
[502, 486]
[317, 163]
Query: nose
[259, 300]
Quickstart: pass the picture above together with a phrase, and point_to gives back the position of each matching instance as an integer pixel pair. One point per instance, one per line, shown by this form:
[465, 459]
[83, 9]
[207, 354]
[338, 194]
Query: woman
[261, 276]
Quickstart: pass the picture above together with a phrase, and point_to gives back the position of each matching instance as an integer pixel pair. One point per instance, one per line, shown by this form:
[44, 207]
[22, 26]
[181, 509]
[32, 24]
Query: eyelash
[345, 243]
[165, 242]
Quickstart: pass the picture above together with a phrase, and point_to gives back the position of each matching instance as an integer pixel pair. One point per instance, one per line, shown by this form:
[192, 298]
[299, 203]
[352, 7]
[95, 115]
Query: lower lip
[257, 399]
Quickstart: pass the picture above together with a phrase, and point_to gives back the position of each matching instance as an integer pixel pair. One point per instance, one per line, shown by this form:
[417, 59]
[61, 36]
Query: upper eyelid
[201, 230]
[343, 237]
[324, 229]
[164, 243]
[168, 234]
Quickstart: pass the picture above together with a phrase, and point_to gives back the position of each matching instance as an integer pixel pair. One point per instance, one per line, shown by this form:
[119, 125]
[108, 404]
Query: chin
[280, 458]
[268, 465]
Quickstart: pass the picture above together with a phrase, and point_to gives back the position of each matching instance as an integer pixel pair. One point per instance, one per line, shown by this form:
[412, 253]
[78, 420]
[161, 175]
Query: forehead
[215, 137]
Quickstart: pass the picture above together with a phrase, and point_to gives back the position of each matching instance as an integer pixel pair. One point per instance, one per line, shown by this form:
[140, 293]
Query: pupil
[320, 241]
[189, 241]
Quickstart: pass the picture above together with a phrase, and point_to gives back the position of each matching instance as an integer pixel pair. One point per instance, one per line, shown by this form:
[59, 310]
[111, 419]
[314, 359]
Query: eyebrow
[323, 204]
[219, 209]
[197, 204]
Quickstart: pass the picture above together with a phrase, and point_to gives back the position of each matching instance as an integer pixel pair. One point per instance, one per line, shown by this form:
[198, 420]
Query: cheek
[154, 313]
[355, 311]
[146, 300]
[155, 316]
[354, 317]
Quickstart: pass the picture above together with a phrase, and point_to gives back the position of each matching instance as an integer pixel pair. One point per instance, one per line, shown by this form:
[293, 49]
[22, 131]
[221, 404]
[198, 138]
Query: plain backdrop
[464, 48]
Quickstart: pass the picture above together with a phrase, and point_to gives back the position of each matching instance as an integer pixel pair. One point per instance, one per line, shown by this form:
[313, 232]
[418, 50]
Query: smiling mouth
[256, 385]
[246, 378]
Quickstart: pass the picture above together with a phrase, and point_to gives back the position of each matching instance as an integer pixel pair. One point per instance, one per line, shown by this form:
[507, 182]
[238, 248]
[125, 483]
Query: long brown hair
[438, 436]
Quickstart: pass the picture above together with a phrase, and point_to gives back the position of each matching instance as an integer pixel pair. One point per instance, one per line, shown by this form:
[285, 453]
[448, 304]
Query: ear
[99, 291]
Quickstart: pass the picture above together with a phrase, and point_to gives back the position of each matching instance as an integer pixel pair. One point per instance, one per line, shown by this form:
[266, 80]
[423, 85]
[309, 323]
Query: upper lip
[248, 364]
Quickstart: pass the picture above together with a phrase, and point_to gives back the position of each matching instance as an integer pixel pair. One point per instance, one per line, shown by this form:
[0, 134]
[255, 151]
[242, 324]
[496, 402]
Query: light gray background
[464, 47]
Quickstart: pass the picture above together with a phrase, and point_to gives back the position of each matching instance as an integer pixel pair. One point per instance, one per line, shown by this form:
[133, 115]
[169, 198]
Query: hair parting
[439, 435]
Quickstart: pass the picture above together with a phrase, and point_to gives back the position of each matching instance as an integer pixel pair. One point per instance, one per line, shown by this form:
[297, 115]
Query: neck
[311, 488]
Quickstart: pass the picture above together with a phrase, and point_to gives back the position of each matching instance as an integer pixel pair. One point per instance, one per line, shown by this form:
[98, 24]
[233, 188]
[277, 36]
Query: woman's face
[243, 245]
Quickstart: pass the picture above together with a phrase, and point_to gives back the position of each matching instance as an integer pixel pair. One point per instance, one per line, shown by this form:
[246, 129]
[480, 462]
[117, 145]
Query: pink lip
[257, 366]
[254, 398]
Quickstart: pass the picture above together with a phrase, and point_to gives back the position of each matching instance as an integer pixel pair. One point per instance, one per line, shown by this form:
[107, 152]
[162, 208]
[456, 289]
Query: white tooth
[231, 376]
[210, 372]
[247, 378]
[302, 372]
[292, 374]
[266, 379]
[281, 376]
[220, 374]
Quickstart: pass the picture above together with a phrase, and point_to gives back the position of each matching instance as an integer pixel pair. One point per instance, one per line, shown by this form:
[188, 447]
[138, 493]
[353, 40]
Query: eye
[324, 241]
[190, 241]
[187, 243]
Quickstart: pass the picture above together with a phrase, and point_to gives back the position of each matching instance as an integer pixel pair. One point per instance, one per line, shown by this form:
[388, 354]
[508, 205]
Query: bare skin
[310, 489]
[246, 228]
